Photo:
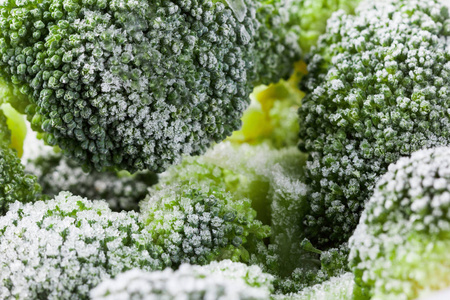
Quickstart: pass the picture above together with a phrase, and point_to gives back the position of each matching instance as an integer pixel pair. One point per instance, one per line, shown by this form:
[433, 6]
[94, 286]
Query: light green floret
[400, 249]
[136, 84]
[272, 180]
[122, 190]
[218, 280]
[15, 184]
[62, 248]
[377, 90]
[199, 222]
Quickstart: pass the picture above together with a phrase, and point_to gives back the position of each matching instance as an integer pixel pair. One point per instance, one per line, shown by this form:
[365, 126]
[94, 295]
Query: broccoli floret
[135, 84]
[336, 288]
[271, 179]
[62, 248]
[400, 249]
[122, 191]
[313, 15]
[218, 280]
[15, 184]
[198, 222]
[378, 89]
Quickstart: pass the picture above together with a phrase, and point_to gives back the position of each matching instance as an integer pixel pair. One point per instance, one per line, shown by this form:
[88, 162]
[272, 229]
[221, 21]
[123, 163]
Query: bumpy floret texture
[121, 190]
[135, 84]
[62, 248]
[15, 184]
[313, 15]
[378, 89]
[400, 248]
[197, 222]
[218, 280]
[336, 288]
[270, 178]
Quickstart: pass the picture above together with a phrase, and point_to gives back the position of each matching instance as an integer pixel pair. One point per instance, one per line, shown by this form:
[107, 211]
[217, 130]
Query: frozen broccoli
[15, 184]
[62, 248]
[218, 280]
[400, 249]
[198, 222]
[121, 190]
[135, 84]
[336, 288]
[319, 268]
[377, 90]
[271, 179]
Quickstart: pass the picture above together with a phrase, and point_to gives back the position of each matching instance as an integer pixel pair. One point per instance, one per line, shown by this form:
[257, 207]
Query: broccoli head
[135, 84]
[377, 90]
[400, 249]
[199, 222]
[122, 191]
[15, 184]
[218, 280]
[62, 248]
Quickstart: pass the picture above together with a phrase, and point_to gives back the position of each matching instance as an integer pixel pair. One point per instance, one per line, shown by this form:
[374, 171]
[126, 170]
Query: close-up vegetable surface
[225, 149]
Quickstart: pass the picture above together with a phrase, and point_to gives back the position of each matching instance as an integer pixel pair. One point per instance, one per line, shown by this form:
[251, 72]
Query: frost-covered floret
[218, 280]
[15, 184]
[336, 288]
[62, 248]
[270, 178]
[400, 249]
[198, 222]
[121, 190]
[135, 84]
[312, 16]
[378, 89]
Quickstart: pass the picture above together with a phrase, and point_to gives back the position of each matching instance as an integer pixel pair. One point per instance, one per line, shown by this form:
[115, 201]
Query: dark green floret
[136, 84]
[15, 184]
[378, 89]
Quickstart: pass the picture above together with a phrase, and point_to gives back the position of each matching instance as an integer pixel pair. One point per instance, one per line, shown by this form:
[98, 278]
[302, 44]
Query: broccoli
[400, 249]
[377, 90]
[62, 248]
[329, 264]
[197, 222]
[135, 84]
[271, 179]
[218, 280]
[121, 190]
[15, 184]
[312, 16]
[336, 288]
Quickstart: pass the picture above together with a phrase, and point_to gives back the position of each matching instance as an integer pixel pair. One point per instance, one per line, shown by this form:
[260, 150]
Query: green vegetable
[377, 90]
[336, 288]
[400, 248]
[198, 222]
[122, 191]
[61, 248]
[218, 280]
[136, 84]
[15, 184]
